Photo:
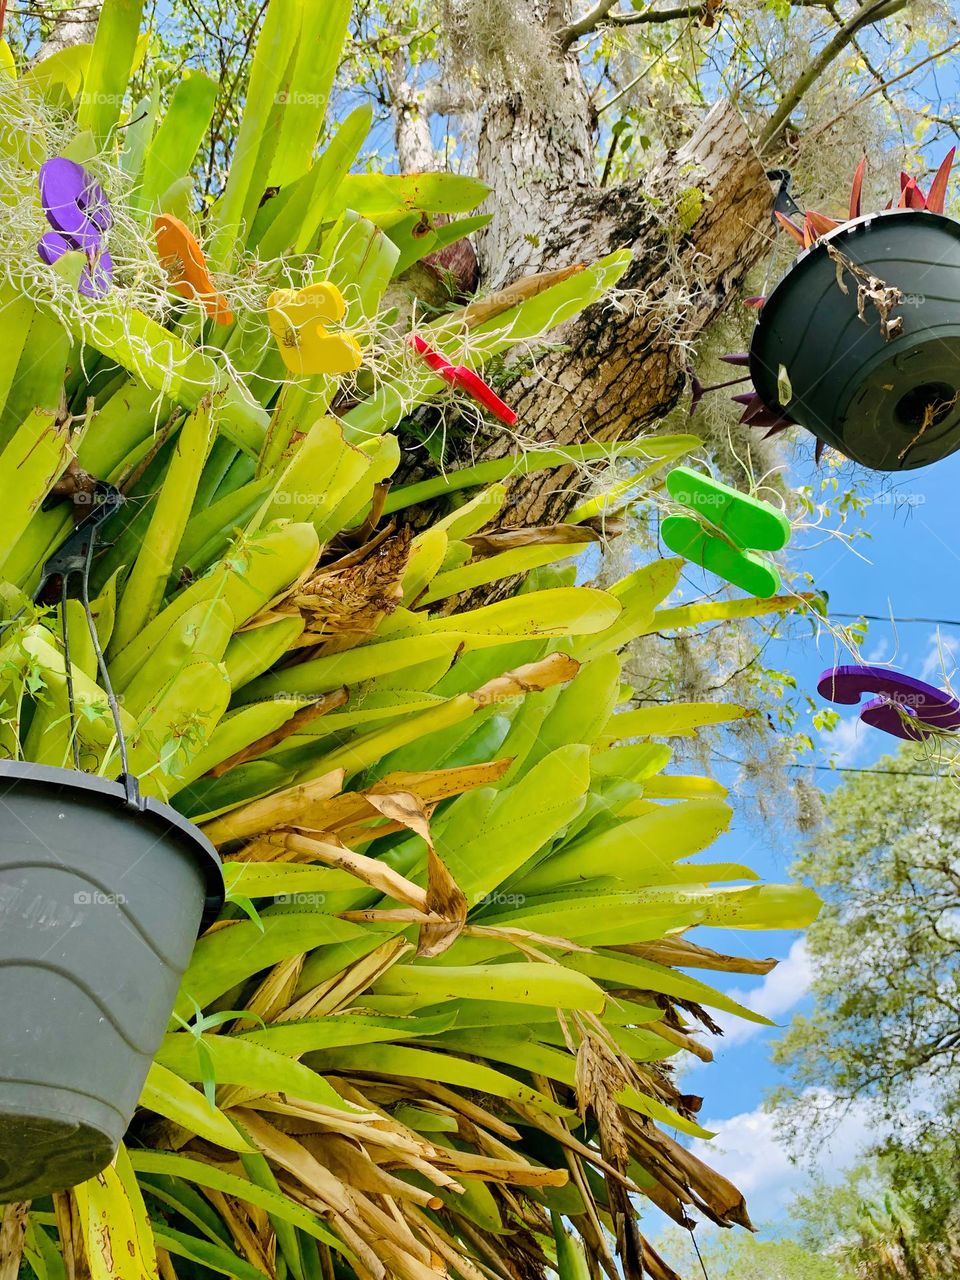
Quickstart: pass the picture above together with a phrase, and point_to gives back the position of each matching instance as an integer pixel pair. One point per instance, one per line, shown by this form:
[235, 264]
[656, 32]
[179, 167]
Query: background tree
[885, 1026]
[884, 1031]
[746, 1258]
[892, 1215]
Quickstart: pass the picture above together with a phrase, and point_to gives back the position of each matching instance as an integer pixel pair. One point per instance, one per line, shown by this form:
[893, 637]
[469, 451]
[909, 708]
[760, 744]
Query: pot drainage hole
[926, 405]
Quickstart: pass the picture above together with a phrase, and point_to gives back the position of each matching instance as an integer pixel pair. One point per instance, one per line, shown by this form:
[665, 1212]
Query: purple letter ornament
[79, 213]
[907, 708]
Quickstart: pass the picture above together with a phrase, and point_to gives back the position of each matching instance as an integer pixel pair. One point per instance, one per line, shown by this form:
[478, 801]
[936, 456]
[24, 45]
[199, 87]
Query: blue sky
[909, 566]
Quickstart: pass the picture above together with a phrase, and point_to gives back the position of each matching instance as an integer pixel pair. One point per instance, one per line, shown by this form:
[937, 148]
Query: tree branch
[600, 16]
[875, 11]
[589, 22]
[917, 66]
[76, 24]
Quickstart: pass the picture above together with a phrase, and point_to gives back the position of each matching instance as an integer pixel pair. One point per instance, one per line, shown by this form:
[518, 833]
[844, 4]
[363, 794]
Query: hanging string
[696, 1249]
[68, 669]
[101, 661]
[74, 556]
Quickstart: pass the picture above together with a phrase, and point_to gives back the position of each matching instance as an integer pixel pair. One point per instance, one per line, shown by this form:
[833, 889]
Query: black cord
[886, 617]
[893, 773]
[68, 668]
[696, 1249]
[101, 661]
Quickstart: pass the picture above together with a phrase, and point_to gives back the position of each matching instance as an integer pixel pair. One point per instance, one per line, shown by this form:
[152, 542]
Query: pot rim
[112, 794]
[759, 372]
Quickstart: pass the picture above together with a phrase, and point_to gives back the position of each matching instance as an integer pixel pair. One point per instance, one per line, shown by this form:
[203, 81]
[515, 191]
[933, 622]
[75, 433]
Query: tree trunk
[411, 122]
[621, 367]
[77, 24]
[696, 226]
[536, 152]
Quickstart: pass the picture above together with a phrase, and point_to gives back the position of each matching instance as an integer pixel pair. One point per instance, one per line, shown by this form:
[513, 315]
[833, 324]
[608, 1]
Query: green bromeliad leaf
[205, 1175]
[170, 1096]
[462, 889]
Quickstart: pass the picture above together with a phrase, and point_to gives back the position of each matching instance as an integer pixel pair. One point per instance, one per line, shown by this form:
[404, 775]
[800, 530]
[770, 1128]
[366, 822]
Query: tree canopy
[886, 948]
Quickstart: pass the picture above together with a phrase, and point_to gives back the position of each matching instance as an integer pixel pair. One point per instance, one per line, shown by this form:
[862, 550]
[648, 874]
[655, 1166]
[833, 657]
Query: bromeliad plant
[858, 341]
[432, 1030]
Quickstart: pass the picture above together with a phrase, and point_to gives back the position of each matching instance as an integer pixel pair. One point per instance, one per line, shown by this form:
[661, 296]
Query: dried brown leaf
[506, 299]
[534, 677]
[272, 811]
[497, 540]
[297, 722]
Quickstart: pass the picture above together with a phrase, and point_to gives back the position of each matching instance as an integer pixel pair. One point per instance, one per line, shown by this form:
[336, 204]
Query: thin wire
[840, 768]
[68, 668]
[696, 1249]
[101, 661]
[888, 617]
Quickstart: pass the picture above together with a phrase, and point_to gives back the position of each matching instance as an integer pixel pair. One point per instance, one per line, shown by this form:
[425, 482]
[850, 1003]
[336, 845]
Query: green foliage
[728, 1257]
[892, 1215]
[885, 949]
[882, 1032]
[436, 990]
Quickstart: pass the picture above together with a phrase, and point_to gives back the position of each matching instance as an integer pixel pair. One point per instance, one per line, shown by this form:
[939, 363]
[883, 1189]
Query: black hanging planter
[102, 894]
[889, 402]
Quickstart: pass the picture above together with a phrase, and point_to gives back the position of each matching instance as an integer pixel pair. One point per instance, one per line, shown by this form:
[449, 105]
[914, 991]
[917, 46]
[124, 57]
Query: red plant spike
[790, 227]
[465, 380]
[911, 196]
[937, 194]
[820, 223]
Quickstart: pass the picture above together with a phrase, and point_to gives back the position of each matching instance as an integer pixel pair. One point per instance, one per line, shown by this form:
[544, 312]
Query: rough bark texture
[411, 117]
[536, 152]
[77, 24]
[621, 366]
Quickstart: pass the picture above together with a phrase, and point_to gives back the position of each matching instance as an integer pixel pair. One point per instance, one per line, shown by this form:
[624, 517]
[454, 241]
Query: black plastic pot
[862, 394]
[100, 905]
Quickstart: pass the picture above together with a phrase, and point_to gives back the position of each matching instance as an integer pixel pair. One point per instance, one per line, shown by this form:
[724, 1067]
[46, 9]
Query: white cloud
[940, 664]
[880, 652]
[781, 991]
[748, 1150]
[847, 741]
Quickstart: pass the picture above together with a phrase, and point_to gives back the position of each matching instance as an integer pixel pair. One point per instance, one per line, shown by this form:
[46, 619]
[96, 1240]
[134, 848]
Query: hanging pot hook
[783, 201]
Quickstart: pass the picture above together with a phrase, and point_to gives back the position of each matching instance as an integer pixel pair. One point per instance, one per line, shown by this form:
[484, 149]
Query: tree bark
[75, 25]
[622, 367]
[536, 152]
[411, 122]
[618, 367]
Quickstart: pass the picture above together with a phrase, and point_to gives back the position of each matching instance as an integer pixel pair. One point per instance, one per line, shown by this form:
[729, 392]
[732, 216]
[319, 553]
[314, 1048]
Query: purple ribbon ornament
[906, 708]
[79, 213]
